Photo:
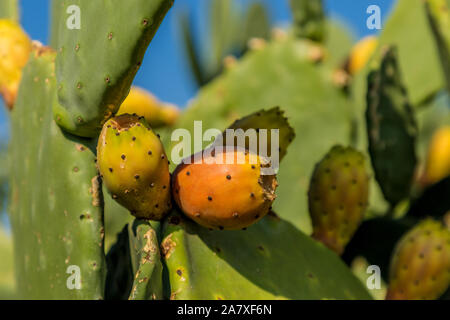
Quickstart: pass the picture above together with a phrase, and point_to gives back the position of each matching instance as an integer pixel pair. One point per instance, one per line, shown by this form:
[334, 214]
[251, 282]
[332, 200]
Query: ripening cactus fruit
[143, 103]
[361, 54]
[438, 159]
[230, 195]
[338, 197]
[134, 166]
[420, 267]
[15, 48]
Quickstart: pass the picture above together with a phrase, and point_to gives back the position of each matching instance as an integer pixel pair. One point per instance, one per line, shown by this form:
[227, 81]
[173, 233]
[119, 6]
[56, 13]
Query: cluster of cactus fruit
[76, 125]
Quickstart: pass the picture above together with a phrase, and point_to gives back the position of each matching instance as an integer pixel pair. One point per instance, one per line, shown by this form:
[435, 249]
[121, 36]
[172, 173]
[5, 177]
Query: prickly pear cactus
[338, 197]
[319, 112]
[439, 17]
[146, 261]
[420, 264]
[200, 263]
[9, 10]
[56, 205]
[91, 87]
[15, 47]
[134, 166]
[155, 112]
[391, 129]
[226, 190]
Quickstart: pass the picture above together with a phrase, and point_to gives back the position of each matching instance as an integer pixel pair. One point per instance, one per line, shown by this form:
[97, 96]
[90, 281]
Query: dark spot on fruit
[108, 126]
[164, 187]
[145, 22]
[209, 198]
[123, 157]
[110, 169]
[188, 173]
[156, 205]
[221, 228]
[117, 134]
[257, 216]
[134, 138]
[163, 156]
[228, 177]
[149, 153]
[244, 229]
[253, 167]
[179, 272]
[252, 195]
[136, 176]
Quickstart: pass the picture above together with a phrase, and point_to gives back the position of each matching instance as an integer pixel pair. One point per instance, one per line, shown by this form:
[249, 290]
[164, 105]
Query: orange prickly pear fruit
[15, 48]
[361, 53]
[224, 196]
[338, 197]
[438, 159]
[420, 266]
[143, 103]
[134, 166]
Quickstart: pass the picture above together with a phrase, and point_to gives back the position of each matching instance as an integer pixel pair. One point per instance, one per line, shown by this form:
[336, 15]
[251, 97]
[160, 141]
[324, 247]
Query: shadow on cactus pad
[270, 260]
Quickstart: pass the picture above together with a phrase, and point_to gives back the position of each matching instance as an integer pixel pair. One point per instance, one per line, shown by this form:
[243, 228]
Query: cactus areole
[224, 195]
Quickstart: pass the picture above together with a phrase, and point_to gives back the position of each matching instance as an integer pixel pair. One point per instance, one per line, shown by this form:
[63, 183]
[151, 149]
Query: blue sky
[164, 71]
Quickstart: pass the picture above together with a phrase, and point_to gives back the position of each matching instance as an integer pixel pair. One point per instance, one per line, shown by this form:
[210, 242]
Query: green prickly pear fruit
[134, 166]
[221, 194]
[338, 197]
[420, 267]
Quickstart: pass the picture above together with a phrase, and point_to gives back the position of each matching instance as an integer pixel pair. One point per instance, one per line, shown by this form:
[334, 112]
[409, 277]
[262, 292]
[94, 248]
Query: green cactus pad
[9, 10]
[408, 29]
[391, 129]
[97, 63]
[309, 19]
[7, 284]
[146, 261]
[270, 260]
[439, 16]
[55, 197]
[281, 74]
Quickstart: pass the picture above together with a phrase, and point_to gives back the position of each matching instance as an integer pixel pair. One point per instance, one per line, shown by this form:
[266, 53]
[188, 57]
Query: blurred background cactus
[292, 65]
